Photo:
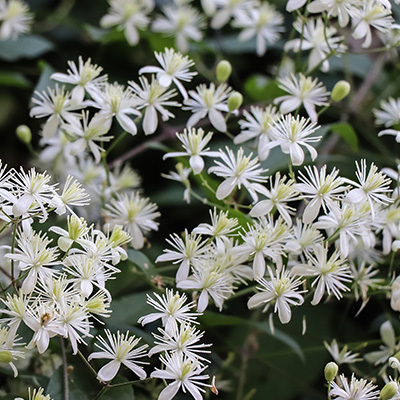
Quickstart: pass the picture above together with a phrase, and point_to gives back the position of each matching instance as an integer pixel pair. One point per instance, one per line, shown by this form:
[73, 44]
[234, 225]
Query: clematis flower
[120, 349]
[194, 142]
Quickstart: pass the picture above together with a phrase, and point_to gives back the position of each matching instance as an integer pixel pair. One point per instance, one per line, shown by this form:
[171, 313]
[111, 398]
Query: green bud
[388, 391]
[5, 356]
[235, 100]
[340, 90]
[24, 134]
[330, 371]
[224, 69]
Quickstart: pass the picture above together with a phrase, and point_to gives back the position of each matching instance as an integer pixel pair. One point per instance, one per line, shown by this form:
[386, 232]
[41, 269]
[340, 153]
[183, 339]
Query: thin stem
[14, 234]
[100, 394]
[83, 358]
[65, 366]
[135, 382]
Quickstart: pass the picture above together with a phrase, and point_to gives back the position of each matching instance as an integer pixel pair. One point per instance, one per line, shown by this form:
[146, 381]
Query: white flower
[34, 255]
[194, 143]
[211, 280]
[45, 323]
[181, 175]
[340, 9]
[280, 290]
[350, 222]
[238, 170]
[32, 193]
[89, 133]
[372, 186]
[208, 101]
[58, 105]
[171, 310]
[363, 280]
[221, 226]
[389, 116]
[153, 97]
[341, 356]
[226, 9]
[395, 294]
[75, 319]
[302, 90]
[357, 389]
[15, 19]
[371, 14]
[189, 250]
[293, 5]
[184, 340]
[129, 16]
[87, 272]
[73, 194]
[174, 68]
[387, 349]
[135, 213]
[290, 134]
[183, 22]
[320, 40]
[185, 373]
[85, 77]
[322, 190]
[115, 101]
[257, 125]
[278, 195]
[331, 274]
[120, 349]
[261, 21]
[264, 239]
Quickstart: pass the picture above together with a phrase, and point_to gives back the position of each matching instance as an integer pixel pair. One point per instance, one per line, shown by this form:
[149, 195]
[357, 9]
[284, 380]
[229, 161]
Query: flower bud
[340, 90]
[235, 100]
[388, 391]
[5, 356]
[330, 371]
[24, 134]
[224, 69]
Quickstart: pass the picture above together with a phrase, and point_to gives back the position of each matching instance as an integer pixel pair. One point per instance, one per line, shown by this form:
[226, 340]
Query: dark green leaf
[24, 47]
[261, 88]
[347, 133]
[14, 79]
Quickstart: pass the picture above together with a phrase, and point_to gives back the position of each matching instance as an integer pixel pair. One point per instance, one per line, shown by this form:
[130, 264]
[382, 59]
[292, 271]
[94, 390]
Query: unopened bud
[235, 100]
[224, 69]
[388, 391]
[340, 90]
[24, 134]
[5, 356]
[330, 371]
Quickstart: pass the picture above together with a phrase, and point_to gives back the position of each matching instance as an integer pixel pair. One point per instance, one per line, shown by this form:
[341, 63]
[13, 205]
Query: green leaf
[142, 262]
[14, 79]
[212, 319]
[82, 385]
[261, 88]
[24, 47]
[128, 309]
[347, 133]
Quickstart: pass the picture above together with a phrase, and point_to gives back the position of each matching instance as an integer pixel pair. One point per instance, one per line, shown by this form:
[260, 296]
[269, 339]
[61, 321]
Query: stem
[100, 394]
[65, 366]
[115, 142]
[135, 382]
[14, 234]
[83, 358]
